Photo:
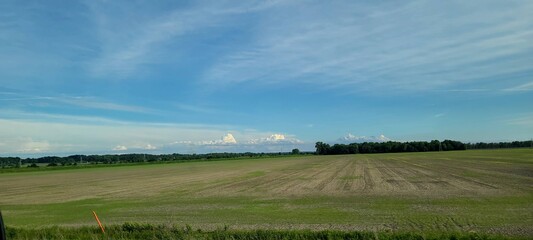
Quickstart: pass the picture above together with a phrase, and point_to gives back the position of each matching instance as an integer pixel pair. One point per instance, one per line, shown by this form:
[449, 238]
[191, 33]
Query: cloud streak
[412, 47]
[525, 120]
[84, 102]
[125, 52]
[521, 88]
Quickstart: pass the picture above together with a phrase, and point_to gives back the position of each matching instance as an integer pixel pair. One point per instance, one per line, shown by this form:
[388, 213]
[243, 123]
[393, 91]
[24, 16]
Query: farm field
[487, 191]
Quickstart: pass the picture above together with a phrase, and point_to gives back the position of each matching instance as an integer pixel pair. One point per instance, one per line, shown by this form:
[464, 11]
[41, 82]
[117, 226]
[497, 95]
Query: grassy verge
[147, 231]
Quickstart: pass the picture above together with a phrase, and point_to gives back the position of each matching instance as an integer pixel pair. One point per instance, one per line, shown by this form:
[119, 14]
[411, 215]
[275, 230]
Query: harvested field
[485, 191]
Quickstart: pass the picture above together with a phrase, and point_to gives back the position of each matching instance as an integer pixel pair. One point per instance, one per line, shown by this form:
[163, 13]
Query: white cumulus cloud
[24, 145]
[228, 138]
[31, 146]
[275, 139]
[120, 148]
[350, 138]
[150, 147]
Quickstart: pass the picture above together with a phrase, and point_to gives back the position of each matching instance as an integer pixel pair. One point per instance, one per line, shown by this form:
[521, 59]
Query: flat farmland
[478, 190]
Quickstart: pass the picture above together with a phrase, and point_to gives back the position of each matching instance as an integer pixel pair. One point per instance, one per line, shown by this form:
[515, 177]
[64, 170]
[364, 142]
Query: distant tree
[340, 149]
[322, 148]
[353, 148]
[296, 151]
[33, 165]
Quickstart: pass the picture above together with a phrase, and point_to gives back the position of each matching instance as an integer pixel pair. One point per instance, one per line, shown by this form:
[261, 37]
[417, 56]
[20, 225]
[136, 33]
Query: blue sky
[179, 76]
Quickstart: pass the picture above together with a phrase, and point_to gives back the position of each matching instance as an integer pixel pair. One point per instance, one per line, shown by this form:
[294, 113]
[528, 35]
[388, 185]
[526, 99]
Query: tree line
[388, 147]
[74, 160]
[420, 146]
[494, 145]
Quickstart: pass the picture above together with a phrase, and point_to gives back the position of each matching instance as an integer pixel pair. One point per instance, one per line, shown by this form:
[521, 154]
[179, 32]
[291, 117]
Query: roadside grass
[148, 231]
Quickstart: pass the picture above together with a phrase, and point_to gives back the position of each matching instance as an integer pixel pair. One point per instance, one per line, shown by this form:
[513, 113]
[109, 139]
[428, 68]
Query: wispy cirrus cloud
[95, 103]
[521, 88]
[391, 46]
[125, 51]
[19, 100]
[522, 120]
[78, 101]
[196, 108]
[466, 90]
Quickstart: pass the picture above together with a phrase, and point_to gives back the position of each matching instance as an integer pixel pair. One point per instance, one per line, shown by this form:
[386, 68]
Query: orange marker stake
[98, 221]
